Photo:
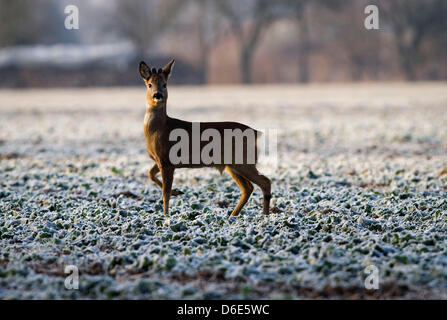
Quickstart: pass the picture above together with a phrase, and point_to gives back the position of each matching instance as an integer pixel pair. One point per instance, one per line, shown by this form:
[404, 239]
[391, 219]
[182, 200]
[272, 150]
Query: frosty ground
[361, 180]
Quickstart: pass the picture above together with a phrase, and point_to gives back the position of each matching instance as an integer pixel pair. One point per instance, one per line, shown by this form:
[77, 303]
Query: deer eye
[164, 86]
[150, 85]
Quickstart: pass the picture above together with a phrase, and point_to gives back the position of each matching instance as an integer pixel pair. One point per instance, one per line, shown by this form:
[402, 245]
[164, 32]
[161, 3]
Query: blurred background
[215, 41]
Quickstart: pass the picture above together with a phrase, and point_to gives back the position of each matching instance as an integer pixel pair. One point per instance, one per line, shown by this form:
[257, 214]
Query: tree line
[317, 35]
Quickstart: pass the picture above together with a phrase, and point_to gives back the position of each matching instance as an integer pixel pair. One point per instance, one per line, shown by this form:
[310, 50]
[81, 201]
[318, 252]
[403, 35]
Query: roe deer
[158, 130]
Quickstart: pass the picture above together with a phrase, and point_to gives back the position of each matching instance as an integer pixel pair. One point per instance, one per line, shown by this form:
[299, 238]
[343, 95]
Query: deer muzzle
[157, 97]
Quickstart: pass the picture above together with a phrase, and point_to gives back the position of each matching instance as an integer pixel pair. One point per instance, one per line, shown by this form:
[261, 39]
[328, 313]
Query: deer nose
[158, 96]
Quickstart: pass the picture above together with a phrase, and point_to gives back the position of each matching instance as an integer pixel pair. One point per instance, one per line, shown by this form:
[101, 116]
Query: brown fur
[157, 127]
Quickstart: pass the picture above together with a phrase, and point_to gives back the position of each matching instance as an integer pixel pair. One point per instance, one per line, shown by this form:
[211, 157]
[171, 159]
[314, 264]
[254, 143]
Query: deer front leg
[153, 176]
[167, 175]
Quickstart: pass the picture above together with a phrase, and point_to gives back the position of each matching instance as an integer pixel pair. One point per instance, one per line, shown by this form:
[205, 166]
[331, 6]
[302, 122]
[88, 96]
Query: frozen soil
[361, 180]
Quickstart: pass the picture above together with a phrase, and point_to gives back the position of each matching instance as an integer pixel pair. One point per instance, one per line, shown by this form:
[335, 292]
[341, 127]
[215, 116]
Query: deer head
[156, 82]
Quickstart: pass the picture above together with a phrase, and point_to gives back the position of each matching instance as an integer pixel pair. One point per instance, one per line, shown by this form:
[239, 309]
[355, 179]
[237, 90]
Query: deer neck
[155, 117]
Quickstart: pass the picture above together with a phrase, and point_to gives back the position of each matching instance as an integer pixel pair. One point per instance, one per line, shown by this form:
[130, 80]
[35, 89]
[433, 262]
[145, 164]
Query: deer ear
[168, 68]
[145, 71]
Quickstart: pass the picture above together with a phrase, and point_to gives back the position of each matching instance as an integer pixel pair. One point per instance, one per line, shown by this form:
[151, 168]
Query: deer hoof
[176, 192]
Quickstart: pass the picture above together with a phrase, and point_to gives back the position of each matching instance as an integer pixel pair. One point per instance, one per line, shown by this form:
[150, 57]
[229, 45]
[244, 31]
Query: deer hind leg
[246, 190]
[250, 173]
[153, 176]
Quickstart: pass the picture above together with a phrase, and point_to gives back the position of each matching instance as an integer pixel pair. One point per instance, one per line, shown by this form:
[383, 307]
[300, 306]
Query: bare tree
[303, 10]
[300, 12]
[23, 24]
[208, 32]
[258, 14]
[415, 22]
[144, 21]
[359, 48]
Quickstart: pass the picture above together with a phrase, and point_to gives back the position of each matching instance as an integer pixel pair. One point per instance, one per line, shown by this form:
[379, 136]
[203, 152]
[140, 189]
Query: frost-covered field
[362, 180]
